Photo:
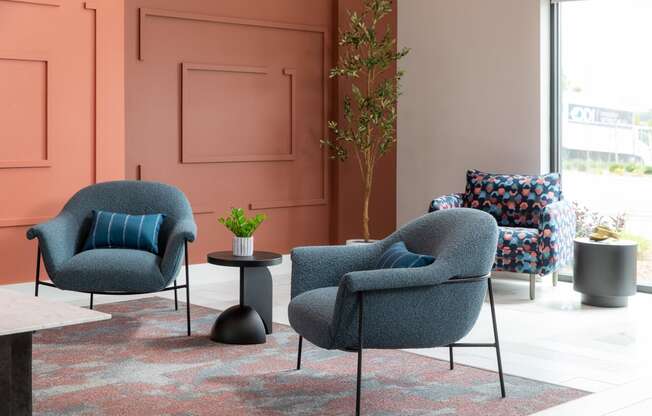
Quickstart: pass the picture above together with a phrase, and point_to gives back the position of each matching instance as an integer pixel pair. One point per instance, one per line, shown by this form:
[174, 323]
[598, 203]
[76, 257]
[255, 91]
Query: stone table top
[20, 313]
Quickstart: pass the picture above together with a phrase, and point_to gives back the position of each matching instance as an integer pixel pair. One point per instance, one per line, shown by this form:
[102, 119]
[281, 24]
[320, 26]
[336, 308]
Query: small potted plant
[243, 229]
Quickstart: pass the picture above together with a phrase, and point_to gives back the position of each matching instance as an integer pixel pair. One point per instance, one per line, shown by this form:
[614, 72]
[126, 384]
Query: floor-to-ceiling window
[604, 115]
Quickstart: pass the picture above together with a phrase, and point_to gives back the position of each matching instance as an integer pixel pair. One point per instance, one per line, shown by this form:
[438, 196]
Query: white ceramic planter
[358, 241]
[243, 246]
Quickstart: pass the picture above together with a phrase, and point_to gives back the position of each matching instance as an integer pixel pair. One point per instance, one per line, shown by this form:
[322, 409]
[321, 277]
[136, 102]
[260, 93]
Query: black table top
[259, 259]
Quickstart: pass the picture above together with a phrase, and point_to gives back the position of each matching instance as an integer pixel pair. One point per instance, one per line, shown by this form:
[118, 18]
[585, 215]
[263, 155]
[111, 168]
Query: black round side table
[242, 323]
[605, 272]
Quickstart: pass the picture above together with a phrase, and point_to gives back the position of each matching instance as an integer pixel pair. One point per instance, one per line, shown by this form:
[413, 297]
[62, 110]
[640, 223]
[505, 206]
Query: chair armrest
[556, 235]
[323, 266]
[389, 279]
[446, 202]
[58, 240]
[184, 230]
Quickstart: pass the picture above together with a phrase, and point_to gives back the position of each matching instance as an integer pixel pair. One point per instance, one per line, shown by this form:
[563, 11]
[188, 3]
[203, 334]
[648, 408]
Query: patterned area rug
[141, 363]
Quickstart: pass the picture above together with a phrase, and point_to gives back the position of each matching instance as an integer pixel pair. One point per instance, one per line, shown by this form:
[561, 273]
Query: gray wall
[475, 94]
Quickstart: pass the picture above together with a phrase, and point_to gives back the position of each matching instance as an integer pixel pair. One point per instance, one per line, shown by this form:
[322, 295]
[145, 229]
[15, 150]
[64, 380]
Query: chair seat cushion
[111, 270]
[517, 250]
[311, 315]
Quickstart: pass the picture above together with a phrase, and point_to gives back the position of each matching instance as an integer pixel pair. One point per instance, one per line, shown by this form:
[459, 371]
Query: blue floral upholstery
[517, 250]
[537, 226]
[557, 229]
[447, 202]
[513, 200]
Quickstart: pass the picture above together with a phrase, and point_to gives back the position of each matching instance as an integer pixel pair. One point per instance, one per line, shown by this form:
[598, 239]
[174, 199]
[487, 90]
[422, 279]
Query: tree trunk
[365, 208]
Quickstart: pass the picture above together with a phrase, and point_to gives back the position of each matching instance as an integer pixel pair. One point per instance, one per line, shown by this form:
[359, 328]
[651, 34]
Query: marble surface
[21, 313]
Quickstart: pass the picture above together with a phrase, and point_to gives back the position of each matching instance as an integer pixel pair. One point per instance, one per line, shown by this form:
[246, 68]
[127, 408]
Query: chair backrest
[513, 200]
[463, 242]
[464, 238]
[131, 197]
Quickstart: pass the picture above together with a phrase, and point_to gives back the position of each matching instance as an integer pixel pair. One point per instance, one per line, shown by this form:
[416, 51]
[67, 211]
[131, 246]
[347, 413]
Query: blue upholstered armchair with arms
[117, 270]
[536, 224]
[341, 301]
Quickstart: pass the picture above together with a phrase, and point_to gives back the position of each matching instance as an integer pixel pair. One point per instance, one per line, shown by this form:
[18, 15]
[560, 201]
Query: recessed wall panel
[232, 114]
[23, 111]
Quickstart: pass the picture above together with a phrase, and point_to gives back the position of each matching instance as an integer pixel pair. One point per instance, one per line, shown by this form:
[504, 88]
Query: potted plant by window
[243, 229]
[368, 129]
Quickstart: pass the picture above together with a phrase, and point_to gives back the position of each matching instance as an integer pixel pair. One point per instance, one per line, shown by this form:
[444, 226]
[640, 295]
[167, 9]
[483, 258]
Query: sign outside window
[600, 115]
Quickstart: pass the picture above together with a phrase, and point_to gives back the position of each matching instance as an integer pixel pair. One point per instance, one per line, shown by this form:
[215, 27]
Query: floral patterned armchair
[537, 226]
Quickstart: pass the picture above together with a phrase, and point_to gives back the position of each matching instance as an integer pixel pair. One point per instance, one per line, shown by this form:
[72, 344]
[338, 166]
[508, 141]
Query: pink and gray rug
[141, 363]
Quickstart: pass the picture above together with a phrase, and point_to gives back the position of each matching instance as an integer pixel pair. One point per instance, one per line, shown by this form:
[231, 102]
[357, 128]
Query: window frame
[555, 111]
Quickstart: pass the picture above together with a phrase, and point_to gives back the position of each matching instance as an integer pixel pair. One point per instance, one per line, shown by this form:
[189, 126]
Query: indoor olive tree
[368, 129]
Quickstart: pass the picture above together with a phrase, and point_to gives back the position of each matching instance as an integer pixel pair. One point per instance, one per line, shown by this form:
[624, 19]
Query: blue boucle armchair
[117, 271]
[339, 301]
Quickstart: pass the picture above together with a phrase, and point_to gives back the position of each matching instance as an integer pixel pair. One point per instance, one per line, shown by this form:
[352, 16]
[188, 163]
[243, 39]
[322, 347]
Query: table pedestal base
[605, 301]
[258, 293]
[239, 325]
[16, 374]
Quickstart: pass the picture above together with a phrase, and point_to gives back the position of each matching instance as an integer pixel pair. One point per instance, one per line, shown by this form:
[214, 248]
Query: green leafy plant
[617, 168]
[643, 243]
[631, 167]
[368, 127]
[240, 225]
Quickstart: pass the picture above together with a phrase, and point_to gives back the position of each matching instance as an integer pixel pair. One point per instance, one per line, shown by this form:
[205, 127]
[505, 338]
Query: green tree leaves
[240, 225]
[368, 127]
[370, 108]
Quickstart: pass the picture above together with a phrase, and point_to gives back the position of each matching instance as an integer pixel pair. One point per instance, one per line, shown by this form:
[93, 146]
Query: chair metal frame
[175, 287]
[495, 344]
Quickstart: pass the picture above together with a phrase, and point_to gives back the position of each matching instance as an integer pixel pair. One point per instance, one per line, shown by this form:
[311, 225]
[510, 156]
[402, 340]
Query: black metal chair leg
[299, 354]
[91, 301]
[493, 320]
[176, 301]
[450, 356]
[360, 346]
[38, 269]
[187, 287]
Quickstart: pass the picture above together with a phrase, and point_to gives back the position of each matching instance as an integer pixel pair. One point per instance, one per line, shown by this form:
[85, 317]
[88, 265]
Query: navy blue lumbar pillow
[397, 256]
[115, 230]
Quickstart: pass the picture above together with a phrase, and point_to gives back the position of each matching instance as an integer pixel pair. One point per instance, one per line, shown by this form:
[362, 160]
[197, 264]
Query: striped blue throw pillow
[114, 230]
[398, 257]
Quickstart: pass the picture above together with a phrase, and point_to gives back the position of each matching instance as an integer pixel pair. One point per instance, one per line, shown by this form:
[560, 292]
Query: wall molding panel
[172, 14]
[186, 158]
[201, 210]
[108, 69]
[291, 72]
[142, 43]
[62, 112]
[323, 198]
[47, 150]
[51, 3]
[92, 5]
[22, 222]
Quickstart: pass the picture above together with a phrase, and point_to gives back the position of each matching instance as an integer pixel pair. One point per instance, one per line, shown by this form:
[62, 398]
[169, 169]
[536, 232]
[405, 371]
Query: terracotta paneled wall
[61, 123]
[228, 101]
[241, 106]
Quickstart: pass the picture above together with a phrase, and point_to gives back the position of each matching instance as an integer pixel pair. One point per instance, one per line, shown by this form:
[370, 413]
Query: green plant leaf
[367, 128]
[238, 223]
